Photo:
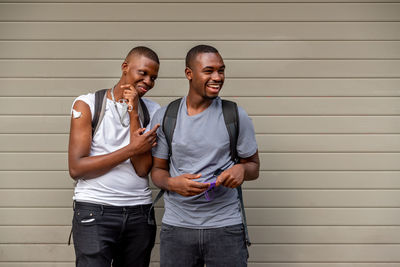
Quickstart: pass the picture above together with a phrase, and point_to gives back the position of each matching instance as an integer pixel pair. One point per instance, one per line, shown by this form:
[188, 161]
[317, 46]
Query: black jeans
[217, 247]
[110, 235]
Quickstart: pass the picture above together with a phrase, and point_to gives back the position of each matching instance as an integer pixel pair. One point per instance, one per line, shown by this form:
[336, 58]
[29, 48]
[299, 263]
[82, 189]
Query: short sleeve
[161, 150]
[247, 144]
[88, 99]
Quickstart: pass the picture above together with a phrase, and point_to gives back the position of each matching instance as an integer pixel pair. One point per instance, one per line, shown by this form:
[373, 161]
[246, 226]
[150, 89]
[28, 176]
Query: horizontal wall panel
[199, 31]
[41, 264]
[34, 234]
[319, 143]
[326, 180]
[324, 234]
[255, 216]
[252, 105]
[235, 68]
[326, 124]
[266, 143]
[179, 87]
[35, 179]
[267, 180]
[178, 49]
[253, 198]
[34, 143]
[325, 253]
[313, 264]
[258, 234]
[268, 161]
[204, 12]
[35, 124]
[330, 161]
[262, 124]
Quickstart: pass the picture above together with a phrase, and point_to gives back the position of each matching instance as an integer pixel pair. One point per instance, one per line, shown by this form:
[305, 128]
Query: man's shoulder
[87, 98]
[151, 105]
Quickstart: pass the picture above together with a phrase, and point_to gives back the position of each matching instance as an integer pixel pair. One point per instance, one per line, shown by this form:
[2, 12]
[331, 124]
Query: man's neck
[196, 104]
[118, 91]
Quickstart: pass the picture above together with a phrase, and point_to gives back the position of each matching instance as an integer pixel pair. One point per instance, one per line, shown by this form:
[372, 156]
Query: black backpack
[100, 107]
[231, 117]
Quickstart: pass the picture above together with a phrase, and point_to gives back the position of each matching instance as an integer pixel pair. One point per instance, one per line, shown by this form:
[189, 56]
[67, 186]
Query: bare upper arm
[80, 137]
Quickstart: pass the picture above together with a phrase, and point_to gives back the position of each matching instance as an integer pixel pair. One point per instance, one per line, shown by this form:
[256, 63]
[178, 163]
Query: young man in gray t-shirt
[197, 230]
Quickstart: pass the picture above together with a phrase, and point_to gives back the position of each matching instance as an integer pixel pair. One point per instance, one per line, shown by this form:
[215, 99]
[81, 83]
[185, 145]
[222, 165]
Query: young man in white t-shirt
[112, 196]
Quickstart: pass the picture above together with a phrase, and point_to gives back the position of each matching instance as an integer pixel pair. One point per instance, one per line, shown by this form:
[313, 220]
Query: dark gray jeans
[109, 234]
[216, 247]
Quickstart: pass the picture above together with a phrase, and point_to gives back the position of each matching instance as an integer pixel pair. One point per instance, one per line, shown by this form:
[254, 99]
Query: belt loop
[73, 205]
[102, 210]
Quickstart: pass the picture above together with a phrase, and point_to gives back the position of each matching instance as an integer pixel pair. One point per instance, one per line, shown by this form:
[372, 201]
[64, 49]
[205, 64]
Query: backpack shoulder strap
[99, 108]
[169, 121]
[231, 117]
[143, 113]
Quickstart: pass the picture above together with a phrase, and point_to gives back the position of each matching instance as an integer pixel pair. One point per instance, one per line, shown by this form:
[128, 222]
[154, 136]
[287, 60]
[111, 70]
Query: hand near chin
[131, 95]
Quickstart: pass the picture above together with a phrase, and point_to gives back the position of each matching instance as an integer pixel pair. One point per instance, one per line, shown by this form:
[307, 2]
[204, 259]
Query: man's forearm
[160, 177]
[89, 167]
[142, 163]
[251, 171]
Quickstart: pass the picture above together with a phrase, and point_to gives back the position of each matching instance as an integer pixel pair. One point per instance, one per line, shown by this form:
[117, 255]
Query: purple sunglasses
[209, 193]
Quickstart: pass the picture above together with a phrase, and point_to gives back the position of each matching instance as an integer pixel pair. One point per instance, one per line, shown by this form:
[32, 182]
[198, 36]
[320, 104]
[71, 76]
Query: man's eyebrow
[211, 67]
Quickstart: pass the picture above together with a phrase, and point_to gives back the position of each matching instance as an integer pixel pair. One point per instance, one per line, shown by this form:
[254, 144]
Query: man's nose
[147, 80]
[216, 76]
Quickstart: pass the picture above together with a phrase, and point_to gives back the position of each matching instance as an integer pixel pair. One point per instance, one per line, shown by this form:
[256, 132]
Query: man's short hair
[143, 51]
[199, 49]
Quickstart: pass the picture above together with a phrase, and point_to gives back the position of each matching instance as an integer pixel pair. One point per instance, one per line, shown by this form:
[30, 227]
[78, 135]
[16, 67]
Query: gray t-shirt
[200, 144]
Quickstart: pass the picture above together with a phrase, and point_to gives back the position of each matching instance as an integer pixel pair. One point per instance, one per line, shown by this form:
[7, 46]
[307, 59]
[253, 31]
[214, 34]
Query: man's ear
[124, 67]
[188, 73]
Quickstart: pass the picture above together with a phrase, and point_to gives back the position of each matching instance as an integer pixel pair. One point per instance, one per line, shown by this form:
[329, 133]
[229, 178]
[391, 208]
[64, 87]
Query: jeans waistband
[111, 209]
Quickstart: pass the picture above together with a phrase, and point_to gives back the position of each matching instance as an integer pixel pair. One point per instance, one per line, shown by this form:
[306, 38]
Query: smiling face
[141, 72]
[206, 75]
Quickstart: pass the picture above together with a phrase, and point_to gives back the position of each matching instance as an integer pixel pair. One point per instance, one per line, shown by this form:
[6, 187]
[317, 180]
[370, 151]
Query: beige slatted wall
[320, 79]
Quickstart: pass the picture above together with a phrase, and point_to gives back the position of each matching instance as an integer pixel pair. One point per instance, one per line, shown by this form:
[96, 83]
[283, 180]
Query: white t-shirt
[121, 186]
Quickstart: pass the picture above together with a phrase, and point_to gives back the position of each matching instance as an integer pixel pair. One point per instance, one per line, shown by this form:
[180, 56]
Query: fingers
[192, 176]
[221, 179]
[153, 131]
[140, 131]
[127, 86]
[227, 180]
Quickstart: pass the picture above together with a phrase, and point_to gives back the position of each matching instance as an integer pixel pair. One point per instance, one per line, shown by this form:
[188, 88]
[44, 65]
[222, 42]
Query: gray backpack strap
[99, 109]
[231, 117]
[144, 116]
[169, 122]
[168, 127]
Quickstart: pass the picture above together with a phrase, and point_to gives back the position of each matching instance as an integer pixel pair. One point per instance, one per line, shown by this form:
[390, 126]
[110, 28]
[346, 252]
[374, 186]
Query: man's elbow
[142, 173]
[74, 173]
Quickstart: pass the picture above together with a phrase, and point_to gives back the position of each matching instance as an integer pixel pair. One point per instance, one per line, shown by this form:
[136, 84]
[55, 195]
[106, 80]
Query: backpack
[100, 107]
[231, 118]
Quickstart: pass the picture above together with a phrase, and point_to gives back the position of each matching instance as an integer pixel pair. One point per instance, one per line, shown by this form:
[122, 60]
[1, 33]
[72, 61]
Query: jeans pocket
[85, 232]
[234, 229]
